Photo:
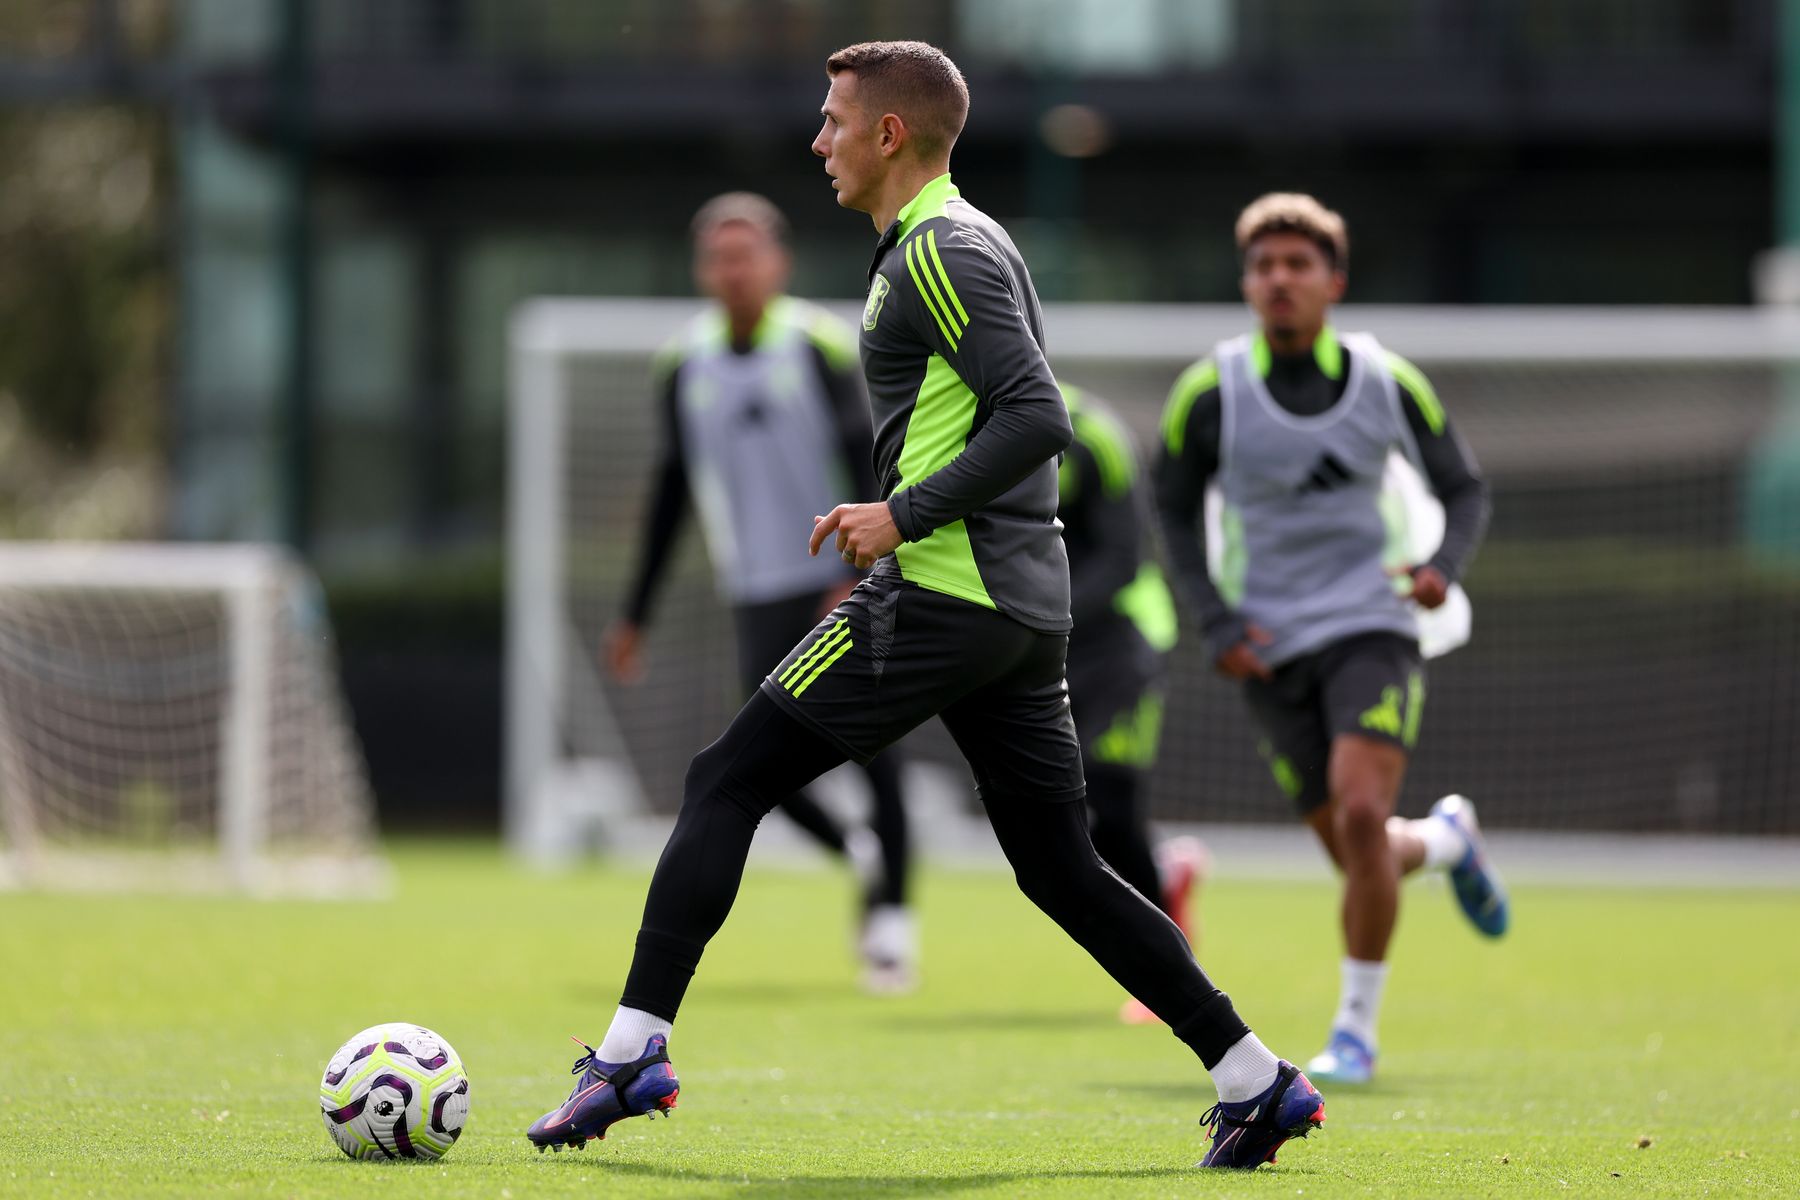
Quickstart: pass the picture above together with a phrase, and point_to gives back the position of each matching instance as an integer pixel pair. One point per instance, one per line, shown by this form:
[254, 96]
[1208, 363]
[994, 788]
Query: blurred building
[458, 155]
[364, 190]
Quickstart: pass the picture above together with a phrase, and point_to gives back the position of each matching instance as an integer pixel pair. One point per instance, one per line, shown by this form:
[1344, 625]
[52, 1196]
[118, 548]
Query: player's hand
[622, 650]
[1429, 587]
[1241, 662]
[865, 532]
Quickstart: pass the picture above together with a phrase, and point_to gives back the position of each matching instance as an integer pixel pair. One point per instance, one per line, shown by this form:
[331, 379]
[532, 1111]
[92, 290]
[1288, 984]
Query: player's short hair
[1295, 212]
[747, 208]
[914, 80]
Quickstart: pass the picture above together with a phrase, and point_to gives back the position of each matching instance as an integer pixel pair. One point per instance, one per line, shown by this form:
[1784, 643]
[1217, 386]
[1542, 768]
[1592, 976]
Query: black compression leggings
[890, 826]
[765, 633]
[887, 822]
[1120, 831]
[1059, 871]
[811, 816]
[763, 757]
[765, 754]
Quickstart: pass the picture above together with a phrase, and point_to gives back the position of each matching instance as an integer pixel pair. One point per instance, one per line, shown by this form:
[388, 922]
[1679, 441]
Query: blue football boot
[1346, 1058]
[1247, 1134]
[606, 1094]
[1477, 884]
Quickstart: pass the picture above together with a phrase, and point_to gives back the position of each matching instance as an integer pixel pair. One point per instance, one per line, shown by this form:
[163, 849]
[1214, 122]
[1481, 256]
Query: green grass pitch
[172, 1046]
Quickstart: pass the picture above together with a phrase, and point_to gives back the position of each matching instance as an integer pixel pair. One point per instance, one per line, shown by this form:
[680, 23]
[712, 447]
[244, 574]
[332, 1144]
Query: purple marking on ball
[349, 1112]
[398, 1082]
[401, 1085]
[430, 1064]
[437, 1109]
[403, 1140]
[333, 1078]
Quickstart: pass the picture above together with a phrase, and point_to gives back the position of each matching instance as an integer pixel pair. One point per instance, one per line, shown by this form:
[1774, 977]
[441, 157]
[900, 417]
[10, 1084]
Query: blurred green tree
[86, 287]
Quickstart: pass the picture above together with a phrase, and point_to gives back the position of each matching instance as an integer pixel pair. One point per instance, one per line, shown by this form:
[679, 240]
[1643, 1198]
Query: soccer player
[965, 616]
[1294, 424]
[765, 423]
[1125, 626]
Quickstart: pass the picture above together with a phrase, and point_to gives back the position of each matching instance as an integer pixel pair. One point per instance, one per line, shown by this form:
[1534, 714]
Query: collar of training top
[928, 203]
[1328, 352]
[775, 317]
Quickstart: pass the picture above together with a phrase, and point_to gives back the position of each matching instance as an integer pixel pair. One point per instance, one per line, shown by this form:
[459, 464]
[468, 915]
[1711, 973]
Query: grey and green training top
[1298, 446]
[968, 418]
[759, 437]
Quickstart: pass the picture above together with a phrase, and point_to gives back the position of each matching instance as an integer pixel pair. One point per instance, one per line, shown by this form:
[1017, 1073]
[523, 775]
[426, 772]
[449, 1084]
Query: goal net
[170, 718]
[1636, 604]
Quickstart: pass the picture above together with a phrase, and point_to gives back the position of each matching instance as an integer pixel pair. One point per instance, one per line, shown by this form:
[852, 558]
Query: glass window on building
[1101, 37]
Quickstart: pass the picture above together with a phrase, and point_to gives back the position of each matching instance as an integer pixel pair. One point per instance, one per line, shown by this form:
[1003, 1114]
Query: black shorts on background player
[1115, 696]
[1371, 685]
[1109, 683]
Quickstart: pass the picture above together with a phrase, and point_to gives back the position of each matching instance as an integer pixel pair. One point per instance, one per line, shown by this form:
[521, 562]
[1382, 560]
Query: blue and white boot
[1346, 1058]
[1477, 884]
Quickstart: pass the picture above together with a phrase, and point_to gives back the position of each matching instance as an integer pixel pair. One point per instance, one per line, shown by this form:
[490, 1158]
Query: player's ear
[1340, 280]
[893, 133]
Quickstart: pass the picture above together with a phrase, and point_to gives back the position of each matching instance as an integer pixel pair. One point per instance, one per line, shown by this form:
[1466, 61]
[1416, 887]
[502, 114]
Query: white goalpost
[170, 718]
[1639, 594]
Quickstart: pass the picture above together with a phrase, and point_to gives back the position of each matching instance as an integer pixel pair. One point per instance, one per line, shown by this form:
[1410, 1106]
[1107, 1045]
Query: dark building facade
[365, 190]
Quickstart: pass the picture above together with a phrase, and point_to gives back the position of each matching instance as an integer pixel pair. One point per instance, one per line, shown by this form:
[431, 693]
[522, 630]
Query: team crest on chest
[877, 293]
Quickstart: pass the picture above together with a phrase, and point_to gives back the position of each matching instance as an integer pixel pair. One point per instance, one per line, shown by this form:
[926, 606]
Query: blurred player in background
[965, 617]
[765, 424]
[1295, 425]
[1125, 626]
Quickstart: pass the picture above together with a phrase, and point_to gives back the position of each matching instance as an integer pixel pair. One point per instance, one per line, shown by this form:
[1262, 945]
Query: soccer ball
[395, 1091]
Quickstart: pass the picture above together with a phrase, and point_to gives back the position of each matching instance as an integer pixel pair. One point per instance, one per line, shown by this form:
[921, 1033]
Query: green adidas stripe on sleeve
[944, 277]
[1413, 382]
[1203, 376]
[927, 288]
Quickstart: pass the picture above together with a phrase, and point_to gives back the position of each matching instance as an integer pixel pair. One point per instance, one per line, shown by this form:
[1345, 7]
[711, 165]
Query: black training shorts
[1369, 685]
[767, 631]
[1116, 690]
[894, 654]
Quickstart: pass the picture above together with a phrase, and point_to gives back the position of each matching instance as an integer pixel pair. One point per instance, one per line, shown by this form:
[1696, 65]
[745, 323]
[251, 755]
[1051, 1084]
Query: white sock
[1246, 1071]
[630, 1029]
[863, 849]
[890, 938]
[1444, 846]
[1359, 1003]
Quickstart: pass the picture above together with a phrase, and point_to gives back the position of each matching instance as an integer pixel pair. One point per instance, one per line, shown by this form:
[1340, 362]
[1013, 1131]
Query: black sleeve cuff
[900, 509]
